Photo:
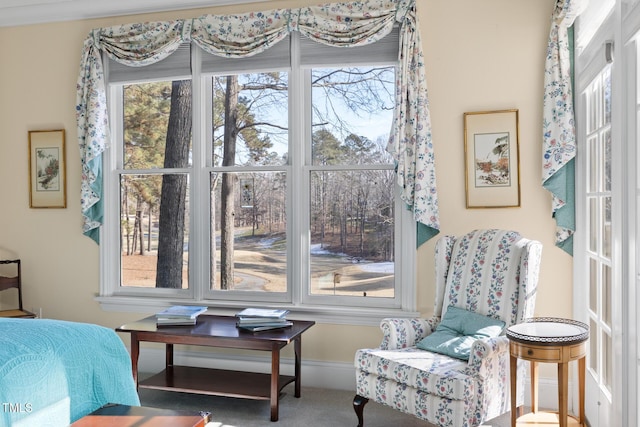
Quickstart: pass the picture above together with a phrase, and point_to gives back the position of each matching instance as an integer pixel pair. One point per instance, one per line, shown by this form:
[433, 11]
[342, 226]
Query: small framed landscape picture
[47, 181]
[492, 159]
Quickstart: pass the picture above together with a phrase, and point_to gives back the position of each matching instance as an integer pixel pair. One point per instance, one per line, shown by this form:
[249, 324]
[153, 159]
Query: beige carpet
[316, 407]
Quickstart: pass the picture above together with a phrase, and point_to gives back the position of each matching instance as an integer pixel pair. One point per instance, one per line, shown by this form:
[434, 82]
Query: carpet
[315, 408]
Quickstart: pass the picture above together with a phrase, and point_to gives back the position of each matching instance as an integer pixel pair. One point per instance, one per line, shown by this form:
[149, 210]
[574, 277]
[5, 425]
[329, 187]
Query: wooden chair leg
[358, 406]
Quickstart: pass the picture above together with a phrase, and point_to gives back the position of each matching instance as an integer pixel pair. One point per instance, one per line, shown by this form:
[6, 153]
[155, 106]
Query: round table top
[549, 331]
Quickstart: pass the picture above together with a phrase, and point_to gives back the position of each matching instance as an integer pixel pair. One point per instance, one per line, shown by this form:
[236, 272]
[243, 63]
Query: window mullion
[199, 215]
[299, 105]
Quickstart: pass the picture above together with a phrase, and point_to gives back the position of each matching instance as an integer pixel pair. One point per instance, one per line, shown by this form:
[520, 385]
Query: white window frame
[298, 299]
[609, 33]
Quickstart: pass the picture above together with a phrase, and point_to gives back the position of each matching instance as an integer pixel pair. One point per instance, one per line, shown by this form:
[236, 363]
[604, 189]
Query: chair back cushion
[457, 332]
[484, 275]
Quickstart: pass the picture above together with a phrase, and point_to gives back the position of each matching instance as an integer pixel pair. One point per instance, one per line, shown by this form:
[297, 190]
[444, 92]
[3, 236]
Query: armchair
[493, 273]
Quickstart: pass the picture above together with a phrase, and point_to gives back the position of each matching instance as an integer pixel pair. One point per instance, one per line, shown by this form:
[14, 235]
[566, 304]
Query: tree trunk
[136, 225]
[214, 181]
[150, 211]
[362, 224]
[139, 229]
[127, 226]
[228, 180]
[174, 188]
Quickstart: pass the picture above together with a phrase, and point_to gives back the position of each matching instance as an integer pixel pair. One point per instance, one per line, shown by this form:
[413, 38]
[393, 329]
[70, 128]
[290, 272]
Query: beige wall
[480, 56]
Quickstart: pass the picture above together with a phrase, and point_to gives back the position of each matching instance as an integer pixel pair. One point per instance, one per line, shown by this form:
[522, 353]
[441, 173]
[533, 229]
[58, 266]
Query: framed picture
[492, 163]
[47, 166]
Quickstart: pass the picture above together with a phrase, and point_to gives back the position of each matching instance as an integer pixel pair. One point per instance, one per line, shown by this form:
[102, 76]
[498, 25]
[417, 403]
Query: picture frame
[47, 169]
[492, 159]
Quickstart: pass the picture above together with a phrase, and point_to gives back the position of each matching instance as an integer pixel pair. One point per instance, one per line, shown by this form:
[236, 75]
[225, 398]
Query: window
[599, 214]
[263, 180]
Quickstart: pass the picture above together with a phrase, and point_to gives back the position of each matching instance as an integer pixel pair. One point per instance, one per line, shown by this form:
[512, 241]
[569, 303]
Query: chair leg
[358, 406]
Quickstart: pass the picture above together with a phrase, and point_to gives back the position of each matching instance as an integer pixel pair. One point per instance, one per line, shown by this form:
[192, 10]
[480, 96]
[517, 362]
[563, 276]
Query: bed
[53, 372]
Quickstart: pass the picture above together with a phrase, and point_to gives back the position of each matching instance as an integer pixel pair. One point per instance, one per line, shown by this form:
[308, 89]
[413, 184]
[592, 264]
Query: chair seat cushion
[431, 372]
[457, 332]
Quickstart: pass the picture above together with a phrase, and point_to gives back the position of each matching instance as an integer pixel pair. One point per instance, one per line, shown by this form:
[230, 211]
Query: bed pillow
[457, 331]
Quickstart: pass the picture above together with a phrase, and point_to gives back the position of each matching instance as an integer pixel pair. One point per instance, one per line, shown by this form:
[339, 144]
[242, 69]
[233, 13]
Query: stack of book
[179, 315]
[262, 319]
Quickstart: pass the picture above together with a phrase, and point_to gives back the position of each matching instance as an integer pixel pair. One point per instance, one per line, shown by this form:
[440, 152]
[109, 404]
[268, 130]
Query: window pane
[593, 346]
[607, 361]
[593, 285]
[593, 224]
[592, 100]
[606, 96]
[352, 229]
[592, 170]
[606, 227]
[250, 240]
[606, 295]
[352, 115]
[606, 160]
[147, 107]
[259, 133]
[153, 230]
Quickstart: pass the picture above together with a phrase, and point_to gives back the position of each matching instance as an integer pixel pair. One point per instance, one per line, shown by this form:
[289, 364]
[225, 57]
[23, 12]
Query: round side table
[549, 340]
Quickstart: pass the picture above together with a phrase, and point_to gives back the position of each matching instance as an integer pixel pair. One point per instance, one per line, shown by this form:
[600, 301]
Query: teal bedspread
[54, 372]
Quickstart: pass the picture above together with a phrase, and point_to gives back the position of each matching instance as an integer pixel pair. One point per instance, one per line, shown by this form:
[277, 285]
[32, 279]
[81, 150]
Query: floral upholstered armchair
[485, 281]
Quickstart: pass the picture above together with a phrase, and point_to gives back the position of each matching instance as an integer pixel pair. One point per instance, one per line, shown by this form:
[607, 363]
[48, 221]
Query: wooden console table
[219, 331]
[550, 340]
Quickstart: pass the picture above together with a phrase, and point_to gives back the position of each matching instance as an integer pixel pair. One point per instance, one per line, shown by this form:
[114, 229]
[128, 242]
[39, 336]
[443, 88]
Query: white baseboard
[547, 393]
[330, 375]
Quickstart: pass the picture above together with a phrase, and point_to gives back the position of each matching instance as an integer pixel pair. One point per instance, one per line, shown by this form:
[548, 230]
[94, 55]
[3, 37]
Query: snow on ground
[369, 267]
[378, 267]
[317, 249]
[267, 243]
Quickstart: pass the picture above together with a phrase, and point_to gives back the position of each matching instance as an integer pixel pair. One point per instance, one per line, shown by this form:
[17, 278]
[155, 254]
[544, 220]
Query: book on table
[174, 321]
[262, 313]
[182, 311]
[259, 320]
[266, 326]
[262, 319]
[180, 315]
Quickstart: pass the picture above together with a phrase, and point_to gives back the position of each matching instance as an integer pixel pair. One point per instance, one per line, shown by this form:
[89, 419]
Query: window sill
[319, 314]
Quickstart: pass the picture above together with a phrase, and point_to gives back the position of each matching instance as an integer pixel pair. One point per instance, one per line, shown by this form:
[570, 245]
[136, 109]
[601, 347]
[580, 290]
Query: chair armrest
[403, 332]
[489, 361]
[485, 354]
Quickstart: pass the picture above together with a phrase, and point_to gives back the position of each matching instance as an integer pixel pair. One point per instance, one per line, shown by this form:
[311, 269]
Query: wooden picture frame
[47, 169]
[492, 159]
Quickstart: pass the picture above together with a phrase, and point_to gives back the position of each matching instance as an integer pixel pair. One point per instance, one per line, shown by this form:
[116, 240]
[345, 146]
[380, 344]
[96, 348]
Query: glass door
[597, 203]
[607, 256]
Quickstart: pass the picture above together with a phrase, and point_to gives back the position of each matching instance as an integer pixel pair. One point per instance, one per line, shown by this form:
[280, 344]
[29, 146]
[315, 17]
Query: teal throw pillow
[457, 331]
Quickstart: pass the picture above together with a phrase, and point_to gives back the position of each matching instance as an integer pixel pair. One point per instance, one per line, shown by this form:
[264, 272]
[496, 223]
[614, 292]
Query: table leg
[135, 353]
[581, 383]
[514, 379]
[563, 388]
[297, 345]
[534, 386]
[169, 355]
[275, 380]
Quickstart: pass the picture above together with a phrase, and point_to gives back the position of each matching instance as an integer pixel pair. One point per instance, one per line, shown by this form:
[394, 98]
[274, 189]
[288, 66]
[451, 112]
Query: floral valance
[336, 24]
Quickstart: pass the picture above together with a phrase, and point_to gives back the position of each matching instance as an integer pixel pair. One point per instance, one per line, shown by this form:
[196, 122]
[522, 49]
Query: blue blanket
[54, 372]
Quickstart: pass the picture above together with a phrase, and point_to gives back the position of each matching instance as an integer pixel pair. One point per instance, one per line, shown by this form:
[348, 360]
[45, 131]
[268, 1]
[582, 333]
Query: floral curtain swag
[234, 36]
[559, 137]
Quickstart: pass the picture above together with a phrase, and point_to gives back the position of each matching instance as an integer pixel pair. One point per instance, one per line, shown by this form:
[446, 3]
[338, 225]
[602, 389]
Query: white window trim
[114, 298]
